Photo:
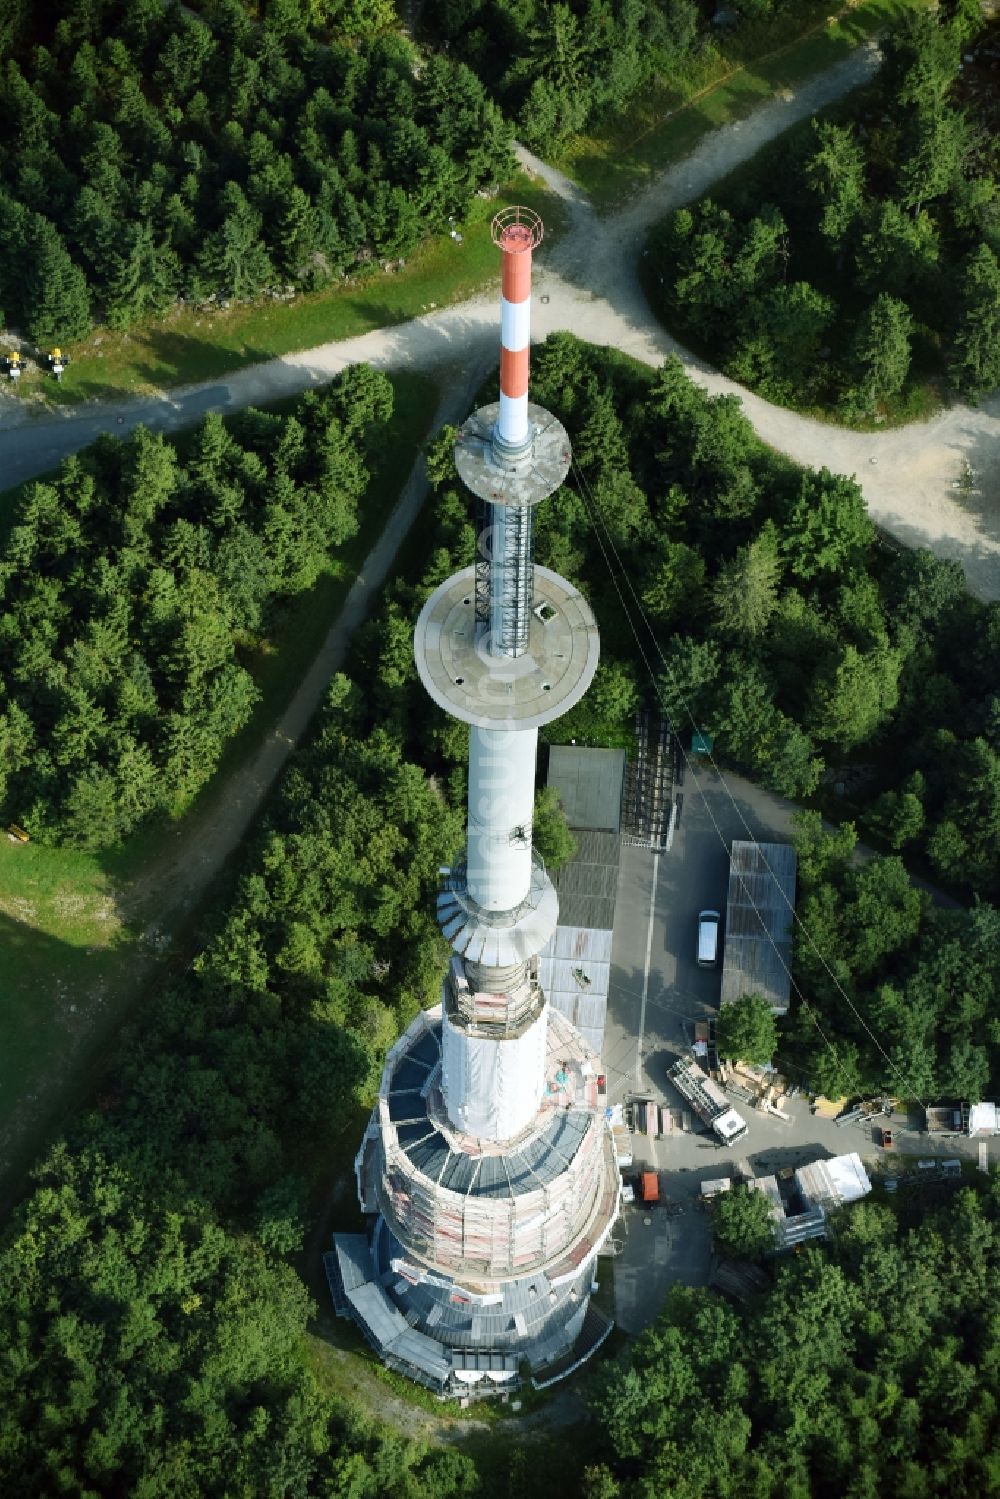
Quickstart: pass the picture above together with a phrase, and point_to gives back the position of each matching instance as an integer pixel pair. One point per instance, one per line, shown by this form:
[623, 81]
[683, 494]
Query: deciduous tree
[746, 1030]
[741, 1222]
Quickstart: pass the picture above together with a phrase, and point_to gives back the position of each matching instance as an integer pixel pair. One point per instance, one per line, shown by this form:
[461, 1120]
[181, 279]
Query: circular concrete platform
[491, 692]
[525, 480]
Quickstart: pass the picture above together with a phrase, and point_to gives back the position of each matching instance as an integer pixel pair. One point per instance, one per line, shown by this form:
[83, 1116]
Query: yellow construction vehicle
[57, 362]
[12, 364]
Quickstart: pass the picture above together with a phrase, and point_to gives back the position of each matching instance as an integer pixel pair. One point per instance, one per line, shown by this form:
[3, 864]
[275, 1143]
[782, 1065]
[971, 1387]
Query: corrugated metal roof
[587, 886]
[589, 785]
[461, 1358]
[422, 1352]
[575, 972]
[768, 1187]
[800, 1227]
[382, 1320]
[759, 912]
[459, 1173]
[354, 1260]
[492, 1180]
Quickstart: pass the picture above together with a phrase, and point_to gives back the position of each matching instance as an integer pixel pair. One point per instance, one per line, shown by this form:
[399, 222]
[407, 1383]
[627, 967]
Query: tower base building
[487, 1250]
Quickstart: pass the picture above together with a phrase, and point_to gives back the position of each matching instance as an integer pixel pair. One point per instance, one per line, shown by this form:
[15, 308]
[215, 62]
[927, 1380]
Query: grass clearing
[187, 346]
[71, 965]
[669, 120]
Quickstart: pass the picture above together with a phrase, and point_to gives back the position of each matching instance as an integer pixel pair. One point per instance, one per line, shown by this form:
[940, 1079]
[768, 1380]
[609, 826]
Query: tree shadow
[787, 1157]
[180, 358]
[57, 1021]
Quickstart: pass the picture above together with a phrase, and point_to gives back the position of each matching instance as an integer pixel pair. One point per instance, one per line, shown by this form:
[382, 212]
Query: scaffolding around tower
[480, 1211]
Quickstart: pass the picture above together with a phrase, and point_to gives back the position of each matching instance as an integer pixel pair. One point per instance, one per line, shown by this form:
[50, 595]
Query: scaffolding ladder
[647, 802]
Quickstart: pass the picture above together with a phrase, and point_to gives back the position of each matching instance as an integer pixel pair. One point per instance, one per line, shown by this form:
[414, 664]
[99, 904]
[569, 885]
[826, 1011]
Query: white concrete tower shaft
[506, 647]
[501, 801]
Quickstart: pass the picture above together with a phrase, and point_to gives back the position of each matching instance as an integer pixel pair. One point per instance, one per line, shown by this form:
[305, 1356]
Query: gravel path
[909, 475]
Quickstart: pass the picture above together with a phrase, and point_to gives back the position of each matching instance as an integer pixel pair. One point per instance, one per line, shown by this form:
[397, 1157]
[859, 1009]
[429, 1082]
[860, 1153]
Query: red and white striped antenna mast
[517, 232]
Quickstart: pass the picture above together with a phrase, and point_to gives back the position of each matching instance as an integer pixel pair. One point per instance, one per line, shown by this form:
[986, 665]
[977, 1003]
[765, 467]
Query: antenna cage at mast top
[517, 229]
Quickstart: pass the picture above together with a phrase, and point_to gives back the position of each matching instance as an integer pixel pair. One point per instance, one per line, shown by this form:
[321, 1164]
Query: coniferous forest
[129, 584]
[861, 253]
[149, 151]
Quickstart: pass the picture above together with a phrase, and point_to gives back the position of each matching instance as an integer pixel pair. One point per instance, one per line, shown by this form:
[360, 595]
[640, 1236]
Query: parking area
[669, 1243]
[657, 992]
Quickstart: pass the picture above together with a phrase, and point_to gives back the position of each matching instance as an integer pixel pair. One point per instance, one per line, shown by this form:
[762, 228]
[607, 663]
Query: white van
[708, 938]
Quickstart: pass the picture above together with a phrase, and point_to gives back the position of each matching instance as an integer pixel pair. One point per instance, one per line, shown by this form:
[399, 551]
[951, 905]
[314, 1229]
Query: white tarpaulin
[983, 1119]
[493, 1088]
[830, 1183]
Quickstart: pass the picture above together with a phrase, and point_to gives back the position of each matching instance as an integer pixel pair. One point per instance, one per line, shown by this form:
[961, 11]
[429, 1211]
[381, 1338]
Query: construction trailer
[977, 1120]
[708, 1101]
[649, 1186]
[704, 1045]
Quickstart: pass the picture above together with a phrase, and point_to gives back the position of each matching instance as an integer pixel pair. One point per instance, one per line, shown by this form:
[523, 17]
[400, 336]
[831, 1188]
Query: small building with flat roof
[760, 908]
[589, 784]
[574, 967]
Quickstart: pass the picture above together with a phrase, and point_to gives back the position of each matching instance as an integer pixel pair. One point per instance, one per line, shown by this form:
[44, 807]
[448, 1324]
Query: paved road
[692, 876]
[589, 285]
[642, 1041]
